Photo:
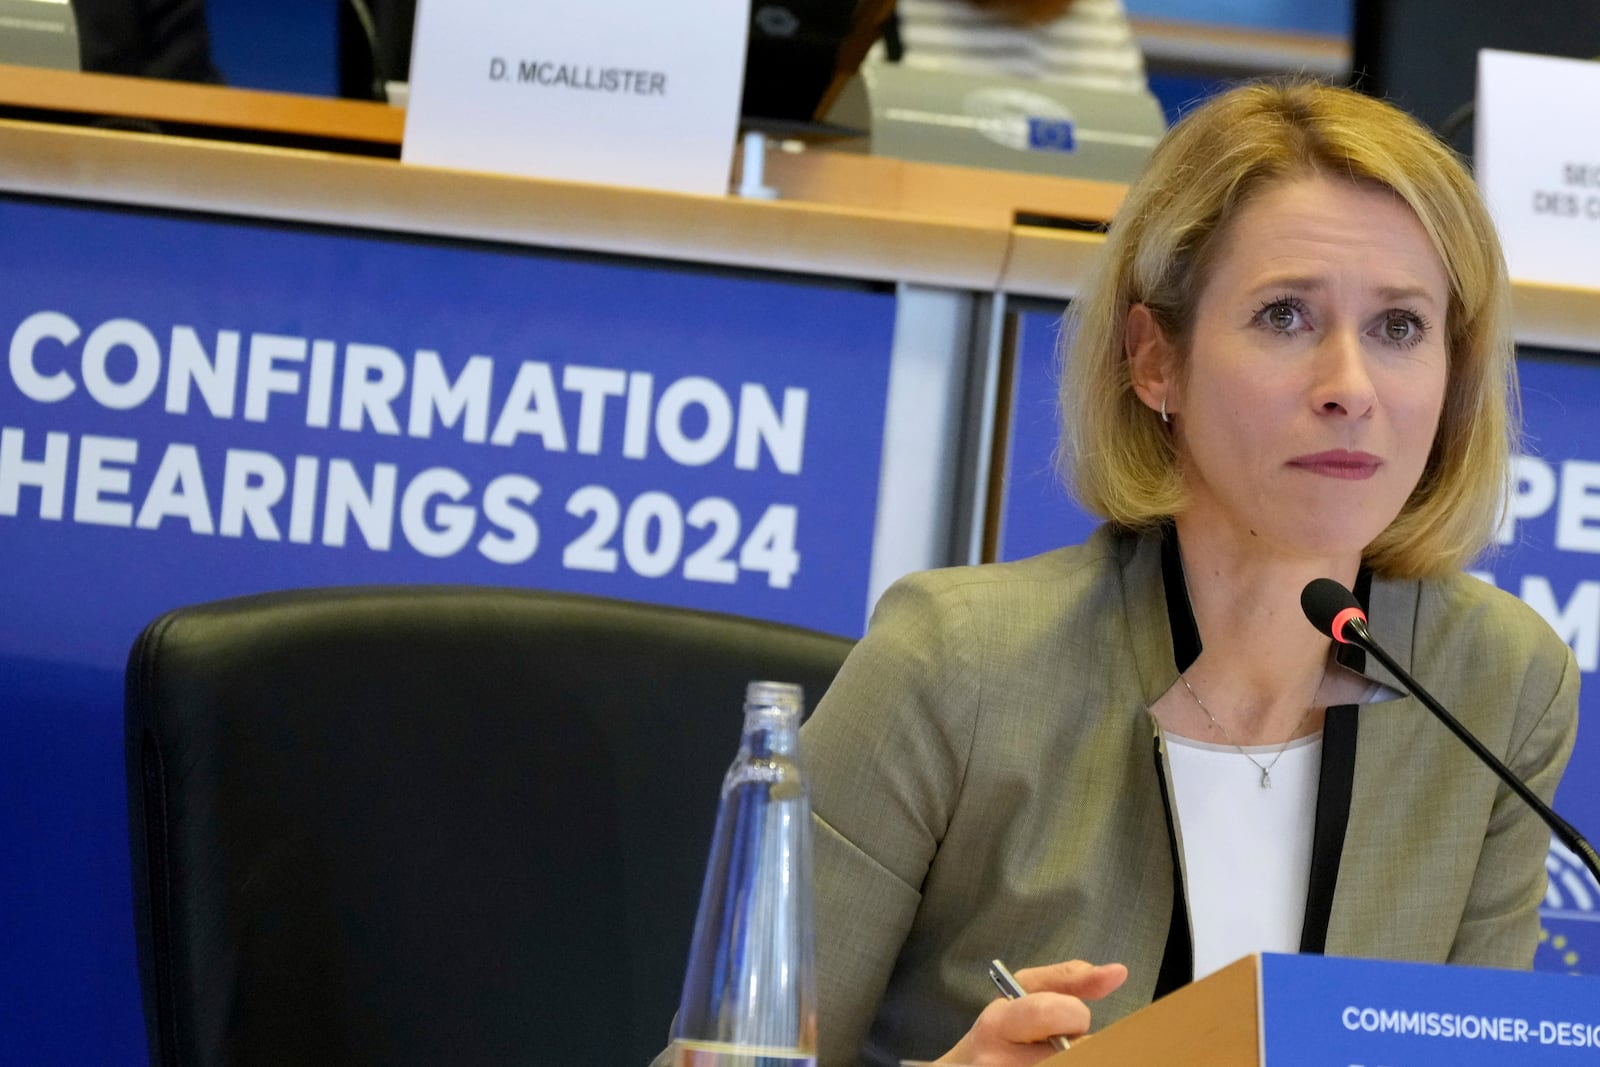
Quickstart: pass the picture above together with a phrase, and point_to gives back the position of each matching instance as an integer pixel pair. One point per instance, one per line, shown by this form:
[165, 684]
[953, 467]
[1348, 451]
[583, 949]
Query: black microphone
[1334, 611]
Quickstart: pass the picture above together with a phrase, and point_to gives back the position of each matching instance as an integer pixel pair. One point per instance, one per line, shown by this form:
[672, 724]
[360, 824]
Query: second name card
[617, 92]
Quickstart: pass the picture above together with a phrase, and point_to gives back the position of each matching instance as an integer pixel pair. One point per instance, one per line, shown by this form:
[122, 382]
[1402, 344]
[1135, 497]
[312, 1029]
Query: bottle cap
[774, 694]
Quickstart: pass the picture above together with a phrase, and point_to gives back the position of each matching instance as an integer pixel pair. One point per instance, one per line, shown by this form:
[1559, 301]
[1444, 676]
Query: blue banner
[194, 409]
[1036, 514]
[1549, 556]
[1341, 1012]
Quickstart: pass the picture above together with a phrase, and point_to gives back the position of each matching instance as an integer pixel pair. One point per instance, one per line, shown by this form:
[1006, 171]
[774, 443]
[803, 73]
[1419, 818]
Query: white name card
[1538, 163]
[619, 92]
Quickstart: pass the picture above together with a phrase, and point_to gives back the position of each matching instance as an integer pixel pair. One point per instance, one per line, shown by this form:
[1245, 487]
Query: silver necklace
[1264, 768]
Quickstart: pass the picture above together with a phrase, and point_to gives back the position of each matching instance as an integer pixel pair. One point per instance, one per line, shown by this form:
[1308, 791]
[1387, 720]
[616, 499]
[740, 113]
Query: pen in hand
[1012, 991]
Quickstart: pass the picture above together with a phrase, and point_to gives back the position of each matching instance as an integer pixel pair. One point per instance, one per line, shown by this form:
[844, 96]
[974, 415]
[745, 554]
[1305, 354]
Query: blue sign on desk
[1330, 1012]
[194, 408]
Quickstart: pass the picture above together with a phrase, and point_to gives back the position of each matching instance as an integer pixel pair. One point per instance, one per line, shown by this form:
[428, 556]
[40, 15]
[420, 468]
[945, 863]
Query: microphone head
[1330, 607]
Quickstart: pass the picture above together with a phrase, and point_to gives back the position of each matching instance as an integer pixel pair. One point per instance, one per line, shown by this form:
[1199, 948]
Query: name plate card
[1538, 163]
[616, 92]
[1330, 1012]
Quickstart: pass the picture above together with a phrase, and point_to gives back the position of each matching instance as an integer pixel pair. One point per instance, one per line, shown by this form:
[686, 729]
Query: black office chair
[430, 825]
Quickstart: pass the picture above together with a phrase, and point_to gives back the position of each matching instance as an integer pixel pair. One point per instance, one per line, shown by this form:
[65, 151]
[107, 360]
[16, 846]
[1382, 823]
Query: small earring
[1164, 416]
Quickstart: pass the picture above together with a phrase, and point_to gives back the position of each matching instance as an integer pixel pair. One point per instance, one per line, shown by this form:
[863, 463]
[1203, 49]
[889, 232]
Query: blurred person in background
[1085, 42]
[146, 38]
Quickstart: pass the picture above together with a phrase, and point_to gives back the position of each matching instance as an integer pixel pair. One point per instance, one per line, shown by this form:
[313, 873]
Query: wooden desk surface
[386, 196]
[67, 93]
[840, 214]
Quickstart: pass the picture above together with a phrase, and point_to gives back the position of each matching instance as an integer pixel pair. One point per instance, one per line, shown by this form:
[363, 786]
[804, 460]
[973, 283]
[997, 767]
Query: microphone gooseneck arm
[1339, 616]
[1356, 632]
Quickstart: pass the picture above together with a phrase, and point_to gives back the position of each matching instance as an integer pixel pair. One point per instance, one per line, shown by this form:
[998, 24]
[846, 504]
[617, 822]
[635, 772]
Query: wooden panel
[186, 103]
[321, 187]
[1049, 263]
[935, 190]
[841, 213]
[1557, 316]
[1212, 1023]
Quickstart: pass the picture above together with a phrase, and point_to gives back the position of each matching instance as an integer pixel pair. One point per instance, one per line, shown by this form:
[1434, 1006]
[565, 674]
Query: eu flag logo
[1050, 135]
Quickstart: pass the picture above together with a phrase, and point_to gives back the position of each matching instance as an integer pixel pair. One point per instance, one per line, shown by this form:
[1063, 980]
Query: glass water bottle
[749, 993]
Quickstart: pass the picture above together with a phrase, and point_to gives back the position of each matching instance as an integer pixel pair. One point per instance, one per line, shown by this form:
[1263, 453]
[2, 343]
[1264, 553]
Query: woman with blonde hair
[1294, 362]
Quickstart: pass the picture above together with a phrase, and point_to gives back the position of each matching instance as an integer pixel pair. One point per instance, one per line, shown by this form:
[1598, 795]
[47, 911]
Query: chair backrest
[430, 825]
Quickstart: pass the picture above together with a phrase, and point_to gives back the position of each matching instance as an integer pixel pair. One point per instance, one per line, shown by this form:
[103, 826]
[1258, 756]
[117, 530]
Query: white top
[1246, 850]
[1090, 44]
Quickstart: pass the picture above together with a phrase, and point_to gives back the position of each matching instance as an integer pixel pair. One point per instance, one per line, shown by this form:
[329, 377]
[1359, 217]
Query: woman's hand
[1014, 1033]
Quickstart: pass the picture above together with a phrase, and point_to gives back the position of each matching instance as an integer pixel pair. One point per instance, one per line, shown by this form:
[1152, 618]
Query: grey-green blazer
[987, 782]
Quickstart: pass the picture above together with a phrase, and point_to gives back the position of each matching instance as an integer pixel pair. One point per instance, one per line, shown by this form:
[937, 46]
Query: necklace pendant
[1266, 778]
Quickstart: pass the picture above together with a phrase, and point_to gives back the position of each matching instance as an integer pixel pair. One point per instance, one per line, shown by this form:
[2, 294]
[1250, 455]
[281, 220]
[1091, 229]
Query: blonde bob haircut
[1117, 456]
